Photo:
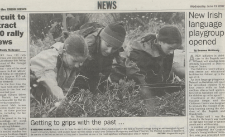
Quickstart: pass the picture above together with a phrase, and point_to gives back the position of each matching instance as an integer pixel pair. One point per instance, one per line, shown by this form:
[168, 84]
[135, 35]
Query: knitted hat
[171, 35]
[114, 34]
[75, 45]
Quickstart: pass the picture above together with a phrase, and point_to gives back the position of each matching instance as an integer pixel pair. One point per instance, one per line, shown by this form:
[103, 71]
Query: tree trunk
[64, 22]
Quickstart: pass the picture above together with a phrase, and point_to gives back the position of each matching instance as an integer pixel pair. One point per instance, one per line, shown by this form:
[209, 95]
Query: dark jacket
[97, 67]
[145, 63]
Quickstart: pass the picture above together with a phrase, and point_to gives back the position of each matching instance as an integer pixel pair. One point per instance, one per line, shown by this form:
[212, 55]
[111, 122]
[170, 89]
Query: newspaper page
[112, 68]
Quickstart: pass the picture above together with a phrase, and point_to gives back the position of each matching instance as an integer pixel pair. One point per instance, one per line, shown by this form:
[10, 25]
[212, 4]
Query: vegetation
[119, 100]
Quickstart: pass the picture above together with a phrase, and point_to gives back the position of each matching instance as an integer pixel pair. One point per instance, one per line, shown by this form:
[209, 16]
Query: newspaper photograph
[112, 68]
[113, 81]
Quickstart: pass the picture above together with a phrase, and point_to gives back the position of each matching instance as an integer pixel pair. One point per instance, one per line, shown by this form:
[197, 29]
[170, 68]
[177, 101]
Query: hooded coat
[145, 63]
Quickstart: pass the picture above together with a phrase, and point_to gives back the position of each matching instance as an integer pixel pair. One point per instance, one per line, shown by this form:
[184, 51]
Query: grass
[119, 100]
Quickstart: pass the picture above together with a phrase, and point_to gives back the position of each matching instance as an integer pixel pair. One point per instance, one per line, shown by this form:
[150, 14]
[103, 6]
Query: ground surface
[120, 100]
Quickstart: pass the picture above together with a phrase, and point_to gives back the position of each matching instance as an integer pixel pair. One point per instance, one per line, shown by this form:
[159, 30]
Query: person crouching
[55, 69]
[150, 59]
